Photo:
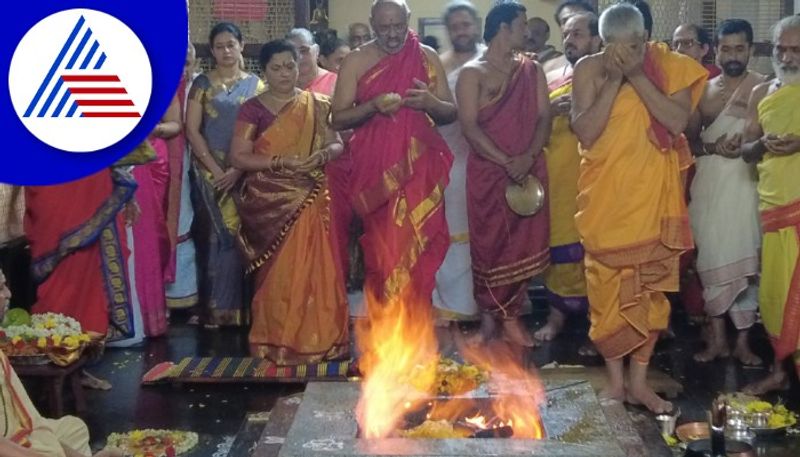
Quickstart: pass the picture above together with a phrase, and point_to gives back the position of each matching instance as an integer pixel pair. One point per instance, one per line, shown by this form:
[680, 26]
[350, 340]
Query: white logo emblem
[80, 80]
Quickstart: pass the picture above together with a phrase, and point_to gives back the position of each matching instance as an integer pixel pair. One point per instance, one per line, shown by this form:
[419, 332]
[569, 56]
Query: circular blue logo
[87, 83]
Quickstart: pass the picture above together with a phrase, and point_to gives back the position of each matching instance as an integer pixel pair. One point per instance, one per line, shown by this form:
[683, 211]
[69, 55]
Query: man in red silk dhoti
[505, 116]
[391, 91]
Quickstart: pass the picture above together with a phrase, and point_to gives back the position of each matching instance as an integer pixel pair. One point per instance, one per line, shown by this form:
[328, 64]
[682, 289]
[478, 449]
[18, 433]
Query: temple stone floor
[231, 418]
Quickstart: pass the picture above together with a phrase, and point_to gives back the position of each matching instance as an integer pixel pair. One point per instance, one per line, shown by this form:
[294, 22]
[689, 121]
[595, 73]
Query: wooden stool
[53, 378]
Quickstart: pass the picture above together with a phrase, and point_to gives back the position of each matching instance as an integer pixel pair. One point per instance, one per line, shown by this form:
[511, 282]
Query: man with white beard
[453, 296]
[773, 142]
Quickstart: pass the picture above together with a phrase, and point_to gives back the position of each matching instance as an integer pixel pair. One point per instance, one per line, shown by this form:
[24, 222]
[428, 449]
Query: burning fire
[399, 361]
[399, 358]
[517, 391]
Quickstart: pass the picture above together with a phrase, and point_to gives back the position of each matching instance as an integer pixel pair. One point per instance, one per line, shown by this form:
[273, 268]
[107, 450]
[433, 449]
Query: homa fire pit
[574, 424]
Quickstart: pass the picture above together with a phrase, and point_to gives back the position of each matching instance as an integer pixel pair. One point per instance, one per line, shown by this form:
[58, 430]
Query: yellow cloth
[563, 164]
[778, 188]
[300, 310]
[29, 429]
[632, 215]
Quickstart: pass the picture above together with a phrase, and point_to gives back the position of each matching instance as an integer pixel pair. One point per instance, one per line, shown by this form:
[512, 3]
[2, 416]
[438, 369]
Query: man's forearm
[753, 152]
[10, 449]
[589, 125]
[542, 134]
[485, 147]
[443, 112]
[666, 111]
[351, 118]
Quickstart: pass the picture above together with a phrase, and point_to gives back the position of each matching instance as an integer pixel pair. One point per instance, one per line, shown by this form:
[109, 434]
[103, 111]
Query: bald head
[389, 20]
[358, 34]
[383, 3]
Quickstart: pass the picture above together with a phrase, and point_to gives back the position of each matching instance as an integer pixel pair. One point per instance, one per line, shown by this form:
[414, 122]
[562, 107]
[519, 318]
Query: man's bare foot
[743, 353]
[777, 380]
[712, 351]
[555, 322]
[587, 349]
[93, 382]
[488, 326]
[515, 333]
[645, 396]
[612, 393]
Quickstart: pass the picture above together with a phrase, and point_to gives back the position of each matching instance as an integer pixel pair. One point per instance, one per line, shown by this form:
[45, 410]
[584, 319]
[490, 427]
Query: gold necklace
[283, 100]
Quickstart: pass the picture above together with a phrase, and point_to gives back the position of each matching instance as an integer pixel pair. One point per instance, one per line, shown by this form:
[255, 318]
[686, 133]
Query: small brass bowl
[693, 431]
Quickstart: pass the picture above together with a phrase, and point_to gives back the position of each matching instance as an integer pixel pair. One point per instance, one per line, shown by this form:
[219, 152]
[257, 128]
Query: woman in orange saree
[282, 141]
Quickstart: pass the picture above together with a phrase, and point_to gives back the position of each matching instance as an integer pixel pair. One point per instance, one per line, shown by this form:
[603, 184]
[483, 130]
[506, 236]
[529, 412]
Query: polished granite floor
[226, 416]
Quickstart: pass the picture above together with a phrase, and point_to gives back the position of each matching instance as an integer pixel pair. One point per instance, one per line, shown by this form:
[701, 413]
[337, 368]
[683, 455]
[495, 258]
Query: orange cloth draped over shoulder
[632, 216]
[299, 311]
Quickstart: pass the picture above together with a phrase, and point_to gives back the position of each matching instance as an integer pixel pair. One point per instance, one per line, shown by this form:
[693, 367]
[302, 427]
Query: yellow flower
[759, 407]
[41, 342]
[16, 339]
[57, 340]
[136, 435]
[70, 342]
[84, 338]
[51, 323]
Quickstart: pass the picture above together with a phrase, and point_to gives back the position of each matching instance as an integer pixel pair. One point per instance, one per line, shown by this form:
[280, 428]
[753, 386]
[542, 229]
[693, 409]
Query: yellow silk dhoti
[47, 437]
[779, 203]
[564, 278]
[632, 216]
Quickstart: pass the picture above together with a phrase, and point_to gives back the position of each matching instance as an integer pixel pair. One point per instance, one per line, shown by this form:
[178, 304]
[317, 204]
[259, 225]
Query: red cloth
[151, 244]
[66, 225]
[713, 70]
[400, 170]
[338, 172]
[507, 249]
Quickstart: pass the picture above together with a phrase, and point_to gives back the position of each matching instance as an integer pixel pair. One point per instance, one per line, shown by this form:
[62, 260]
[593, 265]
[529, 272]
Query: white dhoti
[452, 296]
[725, 223]
[26, 427]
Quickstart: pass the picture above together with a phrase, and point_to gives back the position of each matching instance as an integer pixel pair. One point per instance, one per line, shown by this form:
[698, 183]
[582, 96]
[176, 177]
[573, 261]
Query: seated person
[26, 433]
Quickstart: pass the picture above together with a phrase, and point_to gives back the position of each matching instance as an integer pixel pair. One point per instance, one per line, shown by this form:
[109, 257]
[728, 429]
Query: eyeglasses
[689, 43]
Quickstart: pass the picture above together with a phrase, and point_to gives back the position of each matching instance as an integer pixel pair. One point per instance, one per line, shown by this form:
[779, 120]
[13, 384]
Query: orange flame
[399, 359]
[517, 391]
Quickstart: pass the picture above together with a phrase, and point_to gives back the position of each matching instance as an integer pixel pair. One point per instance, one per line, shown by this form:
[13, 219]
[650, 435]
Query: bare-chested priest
[724, 197]
[505, 115]
[564, 279]
[388, 91]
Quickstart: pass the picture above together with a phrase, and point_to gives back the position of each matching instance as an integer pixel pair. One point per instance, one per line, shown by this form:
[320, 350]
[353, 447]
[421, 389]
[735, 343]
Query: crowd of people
[240, 207]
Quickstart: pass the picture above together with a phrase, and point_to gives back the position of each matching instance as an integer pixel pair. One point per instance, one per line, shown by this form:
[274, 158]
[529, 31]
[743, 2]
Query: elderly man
[453, 294]
[358, 34]
[559, 66]
[695, 42]
[564, 279]
[773, 141]
[538, 36]
[389, 91]
[504, 114]
[632, 244]
[27, 433]
[724, 197]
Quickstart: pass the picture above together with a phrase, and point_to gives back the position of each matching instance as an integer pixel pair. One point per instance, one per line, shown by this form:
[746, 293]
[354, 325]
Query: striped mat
[242, 369]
